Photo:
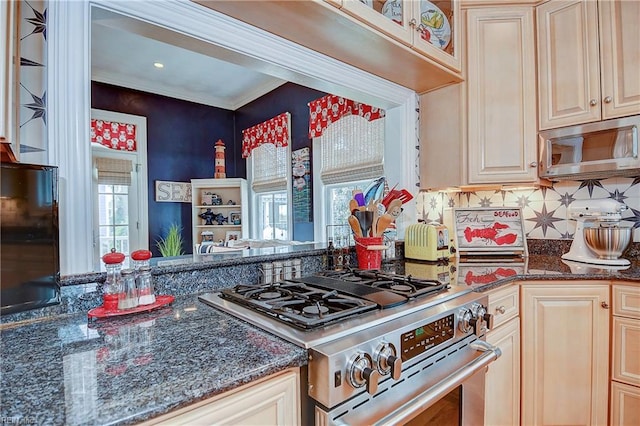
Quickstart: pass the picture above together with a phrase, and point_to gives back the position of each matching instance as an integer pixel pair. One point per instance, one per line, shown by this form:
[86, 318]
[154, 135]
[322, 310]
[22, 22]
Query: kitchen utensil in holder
[369, 252]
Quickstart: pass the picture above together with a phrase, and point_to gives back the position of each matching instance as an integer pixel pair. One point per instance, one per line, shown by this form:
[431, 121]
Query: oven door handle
[489, 354]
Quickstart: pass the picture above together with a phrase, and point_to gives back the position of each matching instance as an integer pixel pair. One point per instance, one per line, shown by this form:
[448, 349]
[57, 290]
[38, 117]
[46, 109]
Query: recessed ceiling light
[158, 64]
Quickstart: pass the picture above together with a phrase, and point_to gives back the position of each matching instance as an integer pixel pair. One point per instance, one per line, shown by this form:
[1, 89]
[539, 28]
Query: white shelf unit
[232, 189]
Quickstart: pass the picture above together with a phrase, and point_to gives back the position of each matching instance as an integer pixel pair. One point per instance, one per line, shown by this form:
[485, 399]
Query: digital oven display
[423, 338]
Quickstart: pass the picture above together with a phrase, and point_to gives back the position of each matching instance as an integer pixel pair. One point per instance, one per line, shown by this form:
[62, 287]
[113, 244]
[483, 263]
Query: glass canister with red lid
[140, 258]
[113, 284]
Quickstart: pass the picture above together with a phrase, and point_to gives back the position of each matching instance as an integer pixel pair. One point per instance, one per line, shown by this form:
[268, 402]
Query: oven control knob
[464, 320]
[487, 317]
[361, 372]
[477, 321]
[387, 361]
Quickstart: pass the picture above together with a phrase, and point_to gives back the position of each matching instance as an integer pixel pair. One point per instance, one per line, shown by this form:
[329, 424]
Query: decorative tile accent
[544, 209]
[33, 82]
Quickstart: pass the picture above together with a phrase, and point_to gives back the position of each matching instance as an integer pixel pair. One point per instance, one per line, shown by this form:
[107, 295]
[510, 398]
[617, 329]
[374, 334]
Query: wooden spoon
[353, 205]
[395, 208]
[383, 222]
[355, 226]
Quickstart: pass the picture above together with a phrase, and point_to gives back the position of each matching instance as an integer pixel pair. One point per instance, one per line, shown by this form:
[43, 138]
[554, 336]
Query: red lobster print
[488, 278]
[490, 234]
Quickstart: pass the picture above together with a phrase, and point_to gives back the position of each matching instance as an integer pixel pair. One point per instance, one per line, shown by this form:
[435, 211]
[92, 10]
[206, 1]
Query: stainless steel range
[384, 348]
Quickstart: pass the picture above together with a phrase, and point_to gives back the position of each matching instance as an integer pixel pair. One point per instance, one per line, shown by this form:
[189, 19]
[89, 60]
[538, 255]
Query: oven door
[446, 388]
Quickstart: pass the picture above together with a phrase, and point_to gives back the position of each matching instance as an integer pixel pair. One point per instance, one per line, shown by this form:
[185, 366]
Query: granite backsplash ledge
[80, 293]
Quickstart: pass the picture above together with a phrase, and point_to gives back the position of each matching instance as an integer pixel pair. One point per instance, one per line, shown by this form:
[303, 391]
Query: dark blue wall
[181, 135]
[290, 98]
[180, 139]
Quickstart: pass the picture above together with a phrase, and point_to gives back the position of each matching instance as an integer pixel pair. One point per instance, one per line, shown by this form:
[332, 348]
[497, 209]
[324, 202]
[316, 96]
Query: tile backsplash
[544, 209]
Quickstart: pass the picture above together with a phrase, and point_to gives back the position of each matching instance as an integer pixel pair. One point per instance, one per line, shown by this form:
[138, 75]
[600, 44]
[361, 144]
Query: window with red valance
[267, 146]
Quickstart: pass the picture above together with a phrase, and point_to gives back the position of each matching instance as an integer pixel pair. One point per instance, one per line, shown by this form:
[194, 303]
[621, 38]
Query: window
[116, 217]
[113, 218]
[273, 216]
[269, 182]
[349, 155]
[337, 201]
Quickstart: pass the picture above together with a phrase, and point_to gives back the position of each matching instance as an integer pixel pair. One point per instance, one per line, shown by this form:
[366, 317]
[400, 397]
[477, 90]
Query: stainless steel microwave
[591, 151]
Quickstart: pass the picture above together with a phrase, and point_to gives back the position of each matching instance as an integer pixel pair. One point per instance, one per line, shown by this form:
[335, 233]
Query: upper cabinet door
[588, 61]
[620, 53]
[501, 95]
[568, 63]
[428, 27]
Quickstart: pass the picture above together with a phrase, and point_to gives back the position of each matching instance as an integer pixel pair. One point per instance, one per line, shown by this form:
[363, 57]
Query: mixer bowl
[608, 242]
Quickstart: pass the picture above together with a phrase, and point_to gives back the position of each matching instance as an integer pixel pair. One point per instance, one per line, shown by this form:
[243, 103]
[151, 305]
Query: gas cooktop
[329, 303]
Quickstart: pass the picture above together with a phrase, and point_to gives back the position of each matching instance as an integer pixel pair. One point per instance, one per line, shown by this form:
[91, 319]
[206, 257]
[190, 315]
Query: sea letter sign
[173, 192]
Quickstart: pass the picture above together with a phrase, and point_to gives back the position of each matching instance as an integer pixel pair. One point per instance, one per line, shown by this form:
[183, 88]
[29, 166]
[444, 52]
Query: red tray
[101, 312]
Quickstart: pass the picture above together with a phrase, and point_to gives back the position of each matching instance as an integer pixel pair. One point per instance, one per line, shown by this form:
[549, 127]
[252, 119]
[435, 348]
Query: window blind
[114, 171]
[270, 168]
[352, 149]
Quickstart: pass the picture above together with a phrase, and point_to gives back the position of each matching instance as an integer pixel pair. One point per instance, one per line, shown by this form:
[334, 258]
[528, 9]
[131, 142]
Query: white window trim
[69, 101]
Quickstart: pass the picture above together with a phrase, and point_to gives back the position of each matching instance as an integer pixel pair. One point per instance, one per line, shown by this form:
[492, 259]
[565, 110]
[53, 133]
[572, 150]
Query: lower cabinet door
[502, 383]
[625, 404]
[565, 353]
[271, 402]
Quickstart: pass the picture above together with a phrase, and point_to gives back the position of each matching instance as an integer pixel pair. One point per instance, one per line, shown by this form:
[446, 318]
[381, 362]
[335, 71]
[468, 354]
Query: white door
[119, 187]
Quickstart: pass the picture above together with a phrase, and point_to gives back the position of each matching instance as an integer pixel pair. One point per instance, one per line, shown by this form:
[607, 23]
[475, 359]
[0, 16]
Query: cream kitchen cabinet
[565, 352]
[9, 71]
[625, 354]
[326, 27]
[483, 132]
[270, 402]
[588, 61]
[429, 27]
[226, 203]
[502, 383]
[501, 129]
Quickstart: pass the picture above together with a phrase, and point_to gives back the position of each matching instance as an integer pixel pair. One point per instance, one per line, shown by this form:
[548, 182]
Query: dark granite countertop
[66, 370]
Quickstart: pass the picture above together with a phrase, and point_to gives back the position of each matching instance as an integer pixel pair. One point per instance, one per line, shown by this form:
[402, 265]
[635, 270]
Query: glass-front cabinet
[428, 27]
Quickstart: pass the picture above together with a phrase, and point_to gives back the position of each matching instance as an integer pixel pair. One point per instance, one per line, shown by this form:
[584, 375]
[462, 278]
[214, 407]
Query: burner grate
[297, 304]
[405, 285]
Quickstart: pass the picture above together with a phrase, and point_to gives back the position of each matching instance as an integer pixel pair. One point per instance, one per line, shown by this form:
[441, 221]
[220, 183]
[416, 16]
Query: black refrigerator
[29, 237]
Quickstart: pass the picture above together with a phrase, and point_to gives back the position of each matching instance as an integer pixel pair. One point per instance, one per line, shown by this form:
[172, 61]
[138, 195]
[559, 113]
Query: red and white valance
[331, 108]
[119, 136]
[276, 131]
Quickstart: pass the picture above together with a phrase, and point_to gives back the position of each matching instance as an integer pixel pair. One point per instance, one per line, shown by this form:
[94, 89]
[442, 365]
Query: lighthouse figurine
[220, 168]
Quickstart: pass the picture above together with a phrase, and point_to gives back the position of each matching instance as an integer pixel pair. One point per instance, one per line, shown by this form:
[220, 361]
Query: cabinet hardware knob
[533, 164]
[593, 102]
[412, 22]
[608, 99]
[605, 305]
[501, 309]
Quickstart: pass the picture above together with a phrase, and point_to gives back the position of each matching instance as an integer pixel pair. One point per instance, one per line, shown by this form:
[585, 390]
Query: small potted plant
[171, 244]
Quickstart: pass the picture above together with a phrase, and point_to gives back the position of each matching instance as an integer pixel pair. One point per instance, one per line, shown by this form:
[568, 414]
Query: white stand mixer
[595, 210]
